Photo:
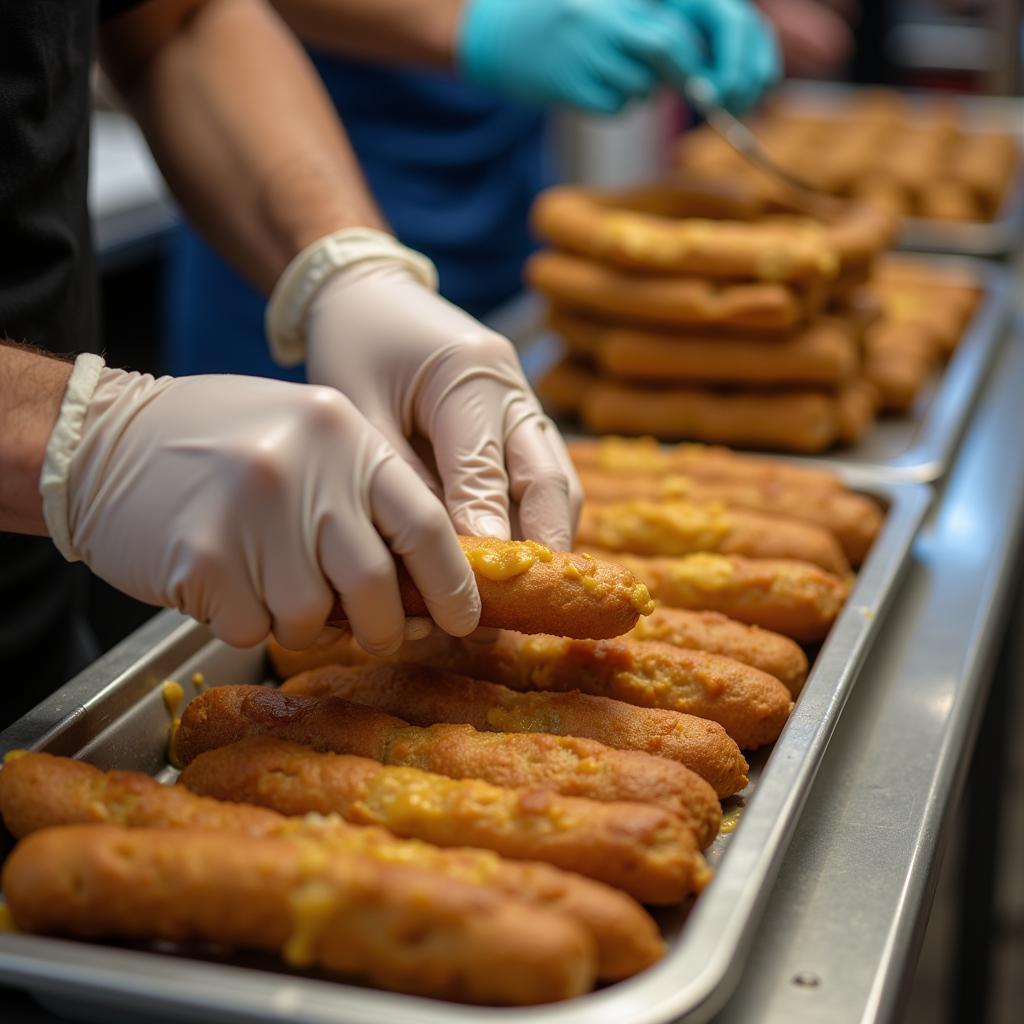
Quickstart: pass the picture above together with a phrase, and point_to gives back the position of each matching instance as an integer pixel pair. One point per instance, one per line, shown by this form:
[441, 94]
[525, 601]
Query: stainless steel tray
[114, 715]
[997, 238]
[918, 446]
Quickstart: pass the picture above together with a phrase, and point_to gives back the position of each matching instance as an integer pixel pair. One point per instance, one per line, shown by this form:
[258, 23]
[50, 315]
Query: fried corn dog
[644, 850]
[399, 927]
[564, 764]
[713, 632]
[854, 519]
[681, 527]
[794, 421]
[750, 705]
[426, 695]
[591, 287]
[796, 599]
[40, 791]
[527, 585]
[597, 225]
[632, 455]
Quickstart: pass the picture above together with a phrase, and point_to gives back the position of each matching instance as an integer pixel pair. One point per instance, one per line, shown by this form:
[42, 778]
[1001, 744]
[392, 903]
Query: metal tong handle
[734, 132]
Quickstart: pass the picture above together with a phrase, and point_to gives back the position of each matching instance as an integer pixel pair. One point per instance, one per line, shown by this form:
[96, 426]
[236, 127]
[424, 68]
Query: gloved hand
[243, 502]
[599, 54]
[414, 364]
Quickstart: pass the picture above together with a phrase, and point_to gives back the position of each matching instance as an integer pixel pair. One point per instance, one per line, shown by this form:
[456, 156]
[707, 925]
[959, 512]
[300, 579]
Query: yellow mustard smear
[706, 571]
[662, 527]
[172, 742]
[503, 561]
[173, 696]
[640, 598]
[622, 455]
[198, 680]
[311, 907]
[13, 755]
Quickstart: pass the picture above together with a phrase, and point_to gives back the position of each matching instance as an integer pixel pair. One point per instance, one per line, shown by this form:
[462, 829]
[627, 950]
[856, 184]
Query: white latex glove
[415, 364]
[244, 502]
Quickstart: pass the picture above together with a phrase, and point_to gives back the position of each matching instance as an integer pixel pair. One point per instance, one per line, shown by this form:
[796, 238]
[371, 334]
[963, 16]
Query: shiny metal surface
[844, 921]
[114, 715]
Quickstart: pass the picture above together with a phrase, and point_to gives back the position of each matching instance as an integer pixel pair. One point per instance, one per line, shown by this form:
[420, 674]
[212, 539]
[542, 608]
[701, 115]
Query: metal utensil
[737, 135]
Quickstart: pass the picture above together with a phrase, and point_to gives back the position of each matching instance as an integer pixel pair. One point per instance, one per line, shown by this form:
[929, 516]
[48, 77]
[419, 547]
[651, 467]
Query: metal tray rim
[709, 953]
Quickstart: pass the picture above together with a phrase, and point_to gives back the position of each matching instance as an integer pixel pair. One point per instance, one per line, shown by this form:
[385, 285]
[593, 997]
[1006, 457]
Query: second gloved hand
[246, 503]
[414, 364]
[599, 54]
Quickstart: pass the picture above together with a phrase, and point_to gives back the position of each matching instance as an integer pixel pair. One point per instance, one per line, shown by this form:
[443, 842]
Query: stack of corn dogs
[914, 160]
[687, 311]
[481, 819]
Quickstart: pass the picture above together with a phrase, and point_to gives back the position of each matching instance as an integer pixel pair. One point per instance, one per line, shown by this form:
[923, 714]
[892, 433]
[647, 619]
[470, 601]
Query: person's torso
[47, 281]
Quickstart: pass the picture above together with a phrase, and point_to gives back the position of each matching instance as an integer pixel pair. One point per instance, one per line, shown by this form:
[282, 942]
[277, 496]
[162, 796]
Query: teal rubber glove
[600, 54]
[740, 58]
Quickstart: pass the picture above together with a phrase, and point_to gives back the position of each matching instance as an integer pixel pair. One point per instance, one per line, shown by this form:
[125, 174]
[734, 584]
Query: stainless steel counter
[842, 928]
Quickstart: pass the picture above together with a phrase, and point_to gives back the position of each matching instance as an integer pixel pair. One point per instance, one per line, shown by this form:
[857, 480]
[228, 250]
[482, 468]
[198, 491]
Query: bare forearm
[241, 127]
[414, 31]
[31, 391]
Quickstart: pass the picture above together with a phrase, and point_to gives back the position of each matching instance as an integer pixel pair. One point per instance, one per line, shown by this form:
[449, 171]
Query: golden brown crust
[857, 403]
[546, 597]
[567, 765]
[684, 527]
[792, 421]
[562, 385]
[854, 519]
[601, 225]
[630, 455]
[671, 301]
[41, 791]
[641, 849]
[899, 359]
[750, 705]
[398, 927]
[715, 633]
[823, 354]
[427, 694]
[796, 599]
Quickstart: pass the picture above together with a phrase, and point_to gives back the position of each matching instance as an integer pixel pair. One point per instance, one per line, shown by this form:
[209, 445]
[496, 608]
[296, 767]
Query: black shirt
[47, 292]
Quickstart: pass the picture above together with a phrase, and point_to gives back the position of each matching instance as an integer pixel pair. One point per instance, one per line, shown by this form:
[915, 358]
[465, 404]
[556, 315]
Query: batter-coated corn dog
[641, 849]
[41, 791]
[823, 354]
[682, 527]
[854, 519]
[398, 927]
[526, 586]
[598, 225]
[707, 462]
[425, 695]
[603, 291]
[750, 705]
[713, 632]
[564, 764]
[792, 421]
[796, 599]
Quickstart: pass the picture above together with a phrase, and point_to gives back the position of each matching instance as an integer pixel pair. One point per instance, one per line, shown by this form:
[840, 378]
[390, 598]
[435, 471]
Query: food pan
[918, 445]
[997, 238]
[114, 715]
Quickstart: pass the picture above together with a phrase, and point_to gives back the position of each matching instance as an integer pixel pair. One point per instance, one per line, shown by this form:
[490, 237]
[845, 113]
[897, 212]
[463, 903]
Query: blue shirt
[454, 171]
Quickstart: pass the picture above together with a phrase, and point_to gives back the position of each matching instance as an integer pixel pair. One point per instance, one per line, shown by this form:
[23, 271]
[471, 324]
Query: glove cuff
[306, 274]
[60, 450]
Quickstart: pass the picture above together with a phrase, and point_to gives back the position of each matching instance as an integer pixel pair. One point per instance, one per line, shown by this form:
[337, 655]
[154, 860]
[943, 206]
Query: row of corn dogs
[482, 819]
